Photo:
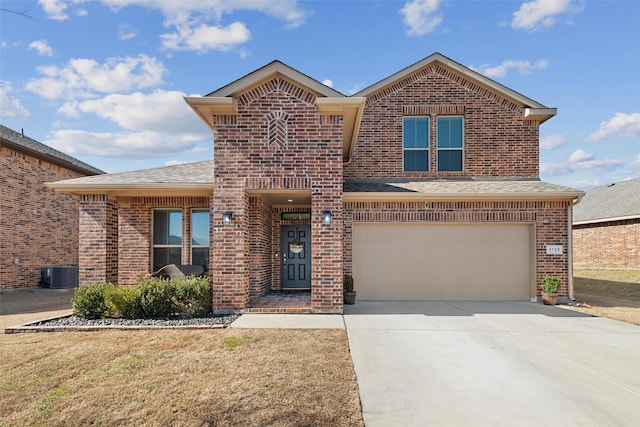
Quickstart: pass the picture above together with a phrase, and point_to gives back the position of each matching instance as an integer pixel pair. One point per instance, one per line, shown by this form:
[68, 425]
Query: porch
[280, 302]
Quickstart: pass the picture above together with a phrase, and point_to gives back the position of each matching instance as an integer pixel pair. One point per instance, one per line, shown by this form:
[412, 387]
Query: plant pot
[350, 298]
[549, 298]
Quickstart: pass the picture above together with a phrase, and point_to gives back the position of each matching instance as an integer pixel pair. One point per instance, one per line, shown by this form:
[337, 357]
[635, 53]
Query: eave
[425, 197]
[138, 189]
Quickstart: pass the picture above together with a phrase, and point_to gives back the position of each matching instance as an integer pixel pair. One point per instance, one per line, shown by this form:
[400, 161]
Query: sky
[104, 80]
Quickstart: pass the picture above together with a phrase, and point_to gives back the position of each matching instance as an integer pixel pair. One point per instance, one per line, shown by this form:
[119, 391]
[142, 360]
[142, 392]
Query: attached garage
[418, 261]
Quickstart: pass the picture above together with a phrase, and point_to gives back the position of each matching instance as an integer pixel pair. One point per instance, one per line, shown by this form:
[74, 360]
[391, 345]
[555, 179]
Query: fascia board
[405, 196]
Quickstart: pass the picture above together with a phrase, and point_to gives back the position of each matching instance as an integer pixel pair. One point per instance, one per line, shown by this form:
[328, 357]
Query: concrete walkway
[492, 364]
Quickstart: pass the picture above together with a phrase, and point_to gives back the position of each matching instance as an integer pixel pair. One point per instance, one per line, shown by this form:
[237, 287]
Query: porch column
[98, 241]
[229, 258]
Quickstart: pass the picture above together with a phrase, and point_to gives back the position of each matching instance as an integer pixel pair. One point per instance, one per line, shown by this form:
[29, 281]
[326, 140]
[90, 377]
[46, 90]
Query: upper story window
[415, 144]
[450, 143]
[200, 237]
[167, 237]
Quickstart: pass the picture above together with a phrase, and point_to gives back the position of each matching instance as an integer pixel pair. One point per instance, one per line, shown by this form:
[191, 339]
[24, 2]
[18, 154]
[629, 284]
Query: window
[450, 144]
[200, 237]
[415, 144]
[167, 238]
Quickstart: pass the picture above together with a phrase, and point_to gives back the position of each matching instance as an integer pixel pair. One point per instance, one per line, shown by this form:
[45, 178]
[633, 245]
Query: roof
[456, 189]
[184, 179]
[532, 110]
[18, 141]
[617, 201]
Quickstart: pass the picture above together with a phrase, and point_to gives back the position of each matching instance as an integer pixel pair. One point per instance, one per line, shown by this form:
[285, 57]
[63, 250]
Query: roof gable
[474, 80]
[269, 72]
[23, 143]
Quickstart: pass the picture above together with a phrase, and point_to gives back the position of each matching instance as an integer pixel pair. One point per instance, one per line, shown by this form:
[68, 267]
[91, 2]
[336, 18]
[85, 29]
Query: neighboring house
[423, 186]
[606, 227]
[38, 226]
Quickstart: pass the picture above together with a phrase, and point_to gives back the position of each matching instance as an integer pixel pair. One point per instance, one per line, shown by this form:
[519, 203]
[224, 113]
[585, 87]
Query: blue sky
[104, 80]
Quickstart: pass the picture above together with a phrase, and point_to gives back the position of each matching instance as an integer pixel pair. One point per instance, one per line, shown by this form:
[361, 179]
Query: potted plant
[349, 293]
[550, 287]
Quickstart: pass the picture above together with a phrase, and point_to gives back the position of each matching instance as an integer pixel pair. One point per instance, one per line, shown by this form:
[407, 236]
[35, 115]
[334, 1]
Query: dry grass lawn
[220, 377]
[609, 293]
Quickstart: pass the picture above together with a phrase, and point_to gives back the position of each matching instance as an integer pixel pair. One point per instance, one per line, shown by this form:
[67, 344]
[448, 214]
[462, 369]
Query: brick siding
[612, 244]
[498, 143]
[296, 149]
[38, 226]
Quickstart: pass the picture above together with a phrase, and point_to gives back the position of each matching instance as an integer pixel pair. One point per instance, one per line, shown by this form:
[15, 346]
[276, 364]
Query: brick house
[606, 227]
[38, 226]
[424, 185]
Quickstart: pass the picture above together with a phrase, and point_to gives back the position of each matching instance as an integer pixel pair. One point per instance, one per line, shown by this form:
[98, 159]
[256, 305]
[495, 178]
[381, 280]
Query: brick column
[230, 246]
[98, 242]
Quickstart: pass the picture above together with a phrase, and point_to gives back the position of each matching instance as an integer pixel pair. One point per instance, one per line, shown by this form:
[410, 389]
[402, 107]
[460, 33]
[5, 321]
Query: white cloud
[620, 125]
[125, 32]
[551, 142]
[327, 82]
[580, 156]
[536, 14]
[153, 125]
[205, 38]
[176, 162]
[603, 165]
[9, 106]
[142, 144]
[635, 164]
[523, 67]
[42, 47]
[57, 9]
[421, 17]
[84, 77]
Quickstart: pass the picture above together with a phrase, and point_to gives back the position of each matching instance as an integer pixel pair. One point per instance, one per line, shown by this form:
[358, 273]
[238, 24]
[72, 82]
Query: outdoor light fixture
[326, 218]
[226, 218]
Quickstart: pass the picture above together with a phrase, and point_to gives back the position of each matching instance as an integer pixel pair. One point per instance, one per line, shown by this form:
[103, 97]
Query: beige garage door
[442, 262]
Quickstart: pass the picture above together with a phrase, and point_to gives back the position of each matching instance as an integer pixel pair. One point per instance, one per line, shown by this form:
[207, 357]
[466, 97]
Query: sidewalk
[19, 306]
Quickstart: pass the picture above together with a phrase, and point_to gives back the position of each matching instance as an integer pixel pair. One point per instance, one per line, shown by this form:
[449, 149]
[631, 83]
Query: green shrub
[193, 296]
[551, 284]
[157, 298]
[89, 301]
[347, 283]
[123, 302]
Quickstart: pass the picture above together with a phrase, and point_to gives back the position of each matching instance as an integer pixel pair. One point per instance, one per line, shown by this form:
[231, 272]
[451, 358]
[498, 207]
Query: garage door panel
[458, 262]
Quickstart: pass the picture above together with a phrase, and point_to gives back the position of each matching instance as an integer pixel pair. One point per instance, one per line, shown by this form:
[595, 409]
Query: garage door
[442, 262]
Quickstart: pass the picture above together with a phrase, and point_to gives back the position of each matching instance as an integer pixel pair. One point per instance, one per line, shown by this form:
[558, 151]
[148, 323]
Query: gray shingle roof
[462, 188]
[17, 140]
[199, 173]
[619, 200]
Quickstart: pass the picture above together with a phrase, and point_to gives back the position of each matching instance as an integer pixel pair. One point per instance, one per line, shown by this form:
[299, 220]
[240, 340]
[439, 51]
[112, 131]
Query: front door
[296, 261]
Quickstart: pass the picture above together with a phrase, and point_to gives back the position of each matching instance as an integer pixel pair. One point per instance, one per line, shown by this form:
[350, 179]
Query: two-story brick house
[424, 185]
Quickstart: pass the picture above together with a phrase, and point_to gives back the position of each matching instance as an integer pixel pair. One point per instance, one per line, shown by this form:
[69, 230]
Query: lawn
[608, 293]
[221, 377]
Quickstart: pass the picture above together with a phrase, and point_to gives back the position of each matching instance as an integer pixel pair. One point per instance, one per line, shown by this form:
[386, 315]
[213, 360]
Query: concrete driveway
[492, 363]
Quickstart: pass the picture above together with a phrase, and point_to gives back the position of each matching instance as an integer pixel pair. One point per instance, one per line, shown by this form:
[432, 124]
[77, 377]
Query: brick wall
[38, 226]
[277, 141]
[550, 219]
[98, 242]
[497, 141]
[135, 229]
[613, 244]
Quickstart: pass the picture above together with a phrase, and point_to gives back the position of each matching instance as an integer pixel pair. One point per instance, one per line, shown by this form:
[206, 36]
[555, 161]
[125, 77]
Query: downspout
[570, 246]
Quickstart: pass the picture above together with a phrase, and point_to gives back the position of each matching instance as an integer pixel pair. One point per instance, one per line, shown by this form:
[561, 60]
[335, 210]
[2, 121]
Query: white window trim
[154, 245]
[191, 245]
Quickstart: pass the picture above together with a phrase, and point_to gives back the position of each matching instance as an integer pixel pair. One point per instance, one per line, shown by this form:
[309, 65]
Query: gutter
[417, 196]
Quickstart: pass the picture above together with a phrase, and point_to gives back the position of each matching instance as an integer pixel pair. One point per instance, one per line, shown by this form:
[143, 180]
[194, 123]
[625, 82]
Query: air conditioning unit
[59, 276]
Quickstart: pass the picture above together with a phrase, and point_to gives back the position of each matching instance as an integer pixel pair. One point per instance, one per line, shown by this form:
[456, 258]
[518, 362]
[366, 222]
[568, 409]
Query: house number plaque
[554, 249]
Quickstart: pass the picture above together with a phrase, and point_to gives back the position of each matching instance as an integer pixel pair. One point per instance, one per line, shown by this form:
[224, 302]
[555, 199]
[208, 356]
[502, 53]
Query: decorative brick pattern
[38, 226]
[498, 143]
[549, 218]
[612, 244]
[244, 160]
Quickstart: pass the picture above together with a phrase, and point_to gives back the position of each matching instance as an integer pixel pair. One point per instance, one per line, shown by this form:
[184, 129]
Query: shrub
[193, 296]
[551, 284]
[157, 298]
[123, 301]
[89, 301]
[347, 283]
